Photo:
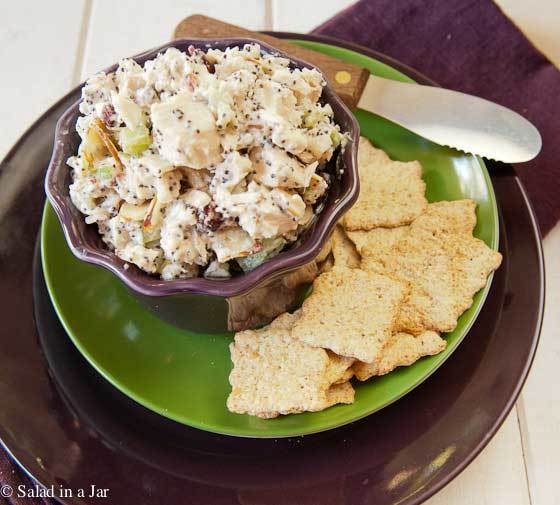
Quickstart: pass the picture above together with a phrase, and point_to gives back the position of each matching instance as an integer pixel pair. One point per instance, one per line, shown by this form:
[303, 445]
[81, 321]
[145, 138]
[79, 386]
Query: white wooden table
[48, 47]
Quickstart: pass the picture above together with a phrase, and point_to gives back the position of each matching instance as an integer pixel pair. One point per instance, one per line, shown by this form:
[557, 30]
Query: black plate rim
[438, 485]
[538, 238]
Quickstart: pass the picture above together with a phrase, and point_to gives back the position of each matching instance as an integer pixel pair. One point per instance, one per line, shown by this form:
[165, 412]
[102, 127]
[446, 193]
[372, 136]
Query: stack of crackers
[397, 272]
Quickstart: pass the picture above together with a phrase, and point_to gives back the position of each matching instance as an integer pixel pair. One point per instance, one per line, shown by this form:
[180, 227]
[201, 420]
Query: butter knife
[446, 117]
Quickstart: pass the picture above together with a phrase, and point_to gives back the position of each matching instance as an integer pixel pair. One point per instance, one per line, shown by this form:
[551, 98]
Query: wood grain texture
[199, 26]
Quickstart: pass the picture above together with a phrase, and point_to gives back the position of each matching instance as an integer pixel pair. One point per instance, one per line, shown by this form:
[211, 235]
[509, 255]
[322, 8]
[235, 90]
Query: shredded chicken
[199, 159]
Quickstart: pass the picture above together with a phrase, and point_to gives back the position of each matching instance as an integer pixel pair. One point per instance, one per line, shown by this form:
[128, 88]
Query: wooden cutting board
[347, 79]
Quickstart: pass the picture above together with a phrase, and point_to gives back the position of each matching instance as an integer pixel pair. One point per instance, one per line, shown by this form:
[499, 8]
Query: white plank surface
[126, 27]
[64, 40]
[539, 406]
[540, 21]
[37, 61]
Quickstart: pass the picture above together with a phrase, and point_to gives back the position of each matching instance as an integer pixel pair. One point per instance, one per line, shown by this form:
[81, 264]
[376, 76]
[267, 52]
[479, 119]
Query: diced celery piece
[151, 235]
[312, 118]
[104, 171]
[271, 247]
[85, 164]
[135, 141]
[152, 244]
[335, 137]
[251, 262]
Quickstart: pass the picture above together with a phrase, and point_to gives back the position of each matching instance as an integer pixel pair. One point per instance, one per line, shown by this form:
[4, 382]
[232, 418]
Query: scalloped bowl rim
[281, 264]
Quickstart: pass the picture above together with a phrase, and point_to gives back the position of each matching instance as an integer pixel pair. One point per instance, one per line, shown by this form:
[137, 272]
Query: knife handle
[347, 79]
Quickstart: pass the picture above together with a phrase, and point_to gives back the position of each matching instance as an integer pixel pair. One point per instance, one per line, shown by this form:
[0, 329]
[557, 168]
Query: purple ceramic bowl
[242, 301]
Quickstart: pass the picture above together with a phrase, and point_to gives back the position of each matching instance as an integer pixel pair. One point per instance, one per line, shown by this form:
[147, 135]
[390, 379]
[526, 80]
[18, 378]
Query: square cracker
[377, 241]
[344, 251]
[444, 273]
[421, 262]
[274, 374]
[403, 349]
[351, 312]
[447, 217]
[391, 192]
[474, 261]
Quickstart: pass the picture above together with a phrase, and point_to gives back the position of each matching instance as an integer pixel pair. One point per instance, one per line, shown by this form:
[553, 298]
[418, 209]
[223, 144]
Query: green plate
[184, 376]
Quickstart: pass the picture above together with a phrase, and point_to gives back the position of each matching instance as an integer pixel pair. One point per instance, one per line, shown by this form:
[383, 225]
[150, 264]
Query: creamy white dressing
[197, 159]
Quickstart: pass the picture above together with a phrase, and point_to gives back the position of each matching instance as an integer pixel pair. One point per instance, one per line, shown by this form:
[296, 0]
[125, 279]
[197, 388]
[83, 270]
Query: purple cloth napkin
[470, 46]
[467, 46]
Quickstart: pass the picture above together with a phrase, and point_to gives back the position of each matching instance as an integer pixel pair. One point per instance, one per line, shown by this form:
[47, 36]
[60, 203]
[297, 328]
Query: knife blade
[446, 117]
[455, 119]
